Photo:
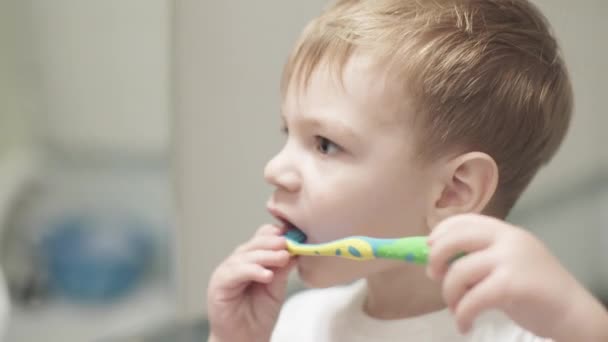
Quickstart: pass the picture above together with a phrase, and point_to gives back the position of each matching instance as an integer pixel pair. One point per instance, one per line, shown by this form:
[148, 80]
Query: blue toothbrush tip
[295, 235]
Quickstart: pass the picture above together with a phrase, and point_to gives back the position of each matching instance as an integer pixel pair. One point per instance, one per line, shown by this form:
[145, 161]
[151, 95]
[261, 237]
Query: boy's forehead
[361, 84]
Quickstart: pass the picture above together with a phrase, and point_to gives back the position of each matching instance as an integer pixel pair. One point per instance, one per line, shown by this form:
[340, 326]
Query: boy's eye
[326, 146]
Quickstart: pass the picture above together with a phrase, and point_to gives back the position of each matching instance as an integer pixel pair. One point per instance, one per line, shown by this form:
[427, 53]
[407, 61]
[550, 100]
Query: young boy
[409, 118]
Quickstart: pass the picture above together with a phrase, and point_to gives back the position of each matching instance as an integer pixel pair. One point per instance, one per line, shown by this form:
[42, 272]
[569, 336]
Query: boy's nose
[281, 173]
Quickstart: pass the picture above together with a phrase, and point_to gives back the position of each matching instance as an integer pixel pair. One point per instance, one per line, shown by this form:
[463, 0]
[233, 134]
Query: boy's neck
[402, 292]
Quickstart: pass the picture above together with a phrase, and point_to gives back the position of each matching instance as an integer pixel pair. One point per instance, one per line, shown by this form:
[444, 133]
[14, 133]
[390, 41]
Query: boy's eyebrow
[327, 125]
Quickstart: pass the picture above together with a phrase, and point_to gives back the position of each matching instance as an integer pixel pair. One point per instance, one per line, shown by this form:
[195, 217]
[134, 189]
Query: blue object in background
[95, 257]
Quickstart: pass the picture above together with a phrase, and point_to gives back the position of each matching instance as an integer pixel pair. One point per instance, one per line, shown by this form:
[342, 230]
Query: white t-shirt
[336, 314]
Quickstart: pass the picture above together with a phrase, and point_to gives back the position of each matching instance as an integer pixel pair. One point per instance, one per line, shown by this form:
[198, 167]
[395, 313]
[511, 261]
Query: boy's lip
[281, 217]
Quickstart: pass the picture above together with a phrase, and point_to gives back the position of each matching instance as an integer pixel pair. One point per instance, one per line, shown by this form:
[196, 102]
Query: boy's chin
[321, 272]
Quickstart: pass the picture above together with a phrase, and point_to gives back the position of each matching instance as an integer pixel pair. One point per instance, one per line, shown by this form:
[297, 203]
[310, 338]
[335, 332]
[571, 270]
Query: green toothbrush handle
[413, 249]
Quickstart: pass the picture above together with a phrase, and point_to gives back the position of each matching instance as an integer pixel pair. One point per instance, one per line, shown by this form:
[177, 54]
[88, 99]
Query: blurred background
[133, 135]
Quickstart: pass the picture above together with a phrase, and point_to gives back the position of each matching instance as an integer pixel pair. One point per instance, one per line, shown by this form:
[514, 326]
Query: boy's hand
[508, 269]
[247, 290]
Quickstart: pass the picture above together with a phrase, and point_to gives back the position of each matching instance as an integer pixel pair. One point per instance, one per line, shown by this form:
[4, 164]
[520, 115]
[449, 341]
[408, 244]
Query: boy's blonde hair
[483, 75]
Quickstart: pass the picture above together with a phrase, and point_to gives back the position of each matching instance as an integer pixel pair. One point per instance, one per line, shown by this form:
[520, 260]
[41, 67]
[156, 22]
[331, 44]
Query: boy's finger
[235, 279]
[456, 223]
[263, 242]
[269, 229]
[449, 224]
[483, 296]
[443, 251]
[464, 274]
[266, 258]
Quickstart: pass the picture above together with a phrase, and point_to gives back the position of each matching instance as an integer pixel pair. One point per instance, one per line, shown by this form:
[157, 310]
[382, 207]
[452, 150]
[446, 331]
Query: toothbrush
[412, 249]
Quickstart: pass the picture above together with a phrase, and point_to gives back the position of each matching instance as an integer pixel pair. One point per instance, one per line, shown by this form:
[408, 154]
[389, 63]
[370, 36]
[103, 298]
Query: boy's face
[348, 168]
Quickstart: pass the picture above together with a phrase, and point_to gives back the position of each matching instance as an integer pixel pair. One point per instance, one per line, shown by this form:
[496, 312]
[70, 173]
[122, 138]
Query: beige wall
[103, 73]
[15, 106]
[86, 74]
[229, 58]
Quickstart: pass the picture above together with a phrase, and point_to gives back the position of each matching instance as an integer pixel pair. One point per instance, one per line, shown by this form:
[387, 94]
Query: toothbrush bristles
[295, 235]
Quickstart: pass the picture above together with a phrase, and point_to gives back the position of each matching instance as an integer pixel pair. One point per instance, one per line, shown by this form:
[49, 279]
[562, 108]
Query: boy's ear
[465, 185]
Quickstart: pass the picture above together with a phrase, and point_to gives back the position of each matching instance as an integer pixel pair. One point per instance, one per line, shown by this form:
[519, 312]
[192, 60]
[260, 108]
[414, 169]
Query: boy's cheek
[430, 273]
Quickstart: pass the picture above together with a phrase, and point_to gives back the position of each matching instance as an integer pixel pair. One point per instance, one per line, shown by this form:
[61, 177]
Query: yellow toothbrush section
[350, 248]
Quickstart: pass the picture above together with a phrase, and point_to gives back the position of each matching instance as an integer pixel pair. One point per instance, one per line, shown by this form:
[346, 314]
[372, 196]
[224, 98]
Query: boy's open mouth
[287, 224]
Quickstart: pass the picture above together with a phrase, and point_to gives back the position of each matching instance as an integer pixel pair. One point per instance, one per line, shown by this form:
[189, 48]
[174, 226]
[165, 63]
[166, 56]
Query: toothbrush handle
[413, 249]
